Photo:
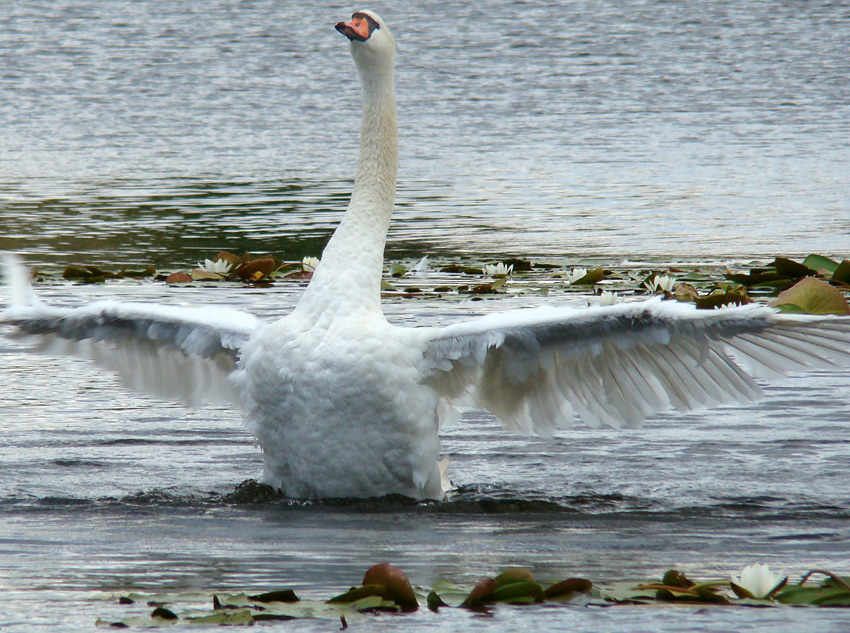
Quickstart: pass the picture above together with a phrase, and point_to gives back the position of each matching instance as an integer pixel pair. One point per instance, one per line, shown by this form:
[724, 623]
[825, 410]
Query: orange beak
[357, 29]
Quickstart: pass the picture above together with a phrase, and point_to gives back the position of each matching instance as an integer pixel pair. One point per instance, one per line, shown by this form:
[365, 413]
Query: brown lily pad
[256, 269]
[398, 587]
[178, 278]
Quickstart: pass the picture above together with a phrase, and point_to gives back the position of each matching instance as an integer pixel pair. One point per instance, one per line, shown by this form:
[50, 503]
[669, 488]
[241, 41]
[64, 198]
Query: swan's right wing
[169, 352]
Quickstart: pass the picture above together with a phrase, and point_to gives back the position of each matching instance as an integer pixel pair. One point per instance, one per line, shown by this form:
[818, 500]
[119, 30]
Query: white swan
[346, 405]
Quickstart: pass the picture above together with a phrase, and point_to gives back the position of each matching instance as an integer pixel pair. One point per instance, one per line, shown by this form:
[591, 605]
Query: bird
[345, 404]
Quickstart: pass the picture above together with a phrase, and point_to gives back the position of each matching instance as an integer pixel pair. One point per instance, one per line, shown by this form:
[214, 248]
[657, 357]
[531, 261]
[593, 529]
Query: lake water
[619, 133]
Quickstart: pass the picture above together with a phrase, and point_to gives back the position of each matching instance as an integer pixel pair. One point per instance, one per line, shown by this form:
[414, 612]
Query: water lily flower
[575, 274]
[421, 266]
[757, 581]
[499, 270]
[218, 266]
[660, 283]
[607, 298]
[309, 264]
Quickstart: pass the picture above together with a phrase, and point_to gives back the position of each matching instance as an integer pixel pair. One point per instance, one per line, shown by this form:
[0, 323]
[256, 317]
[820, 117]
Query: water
[159, 133]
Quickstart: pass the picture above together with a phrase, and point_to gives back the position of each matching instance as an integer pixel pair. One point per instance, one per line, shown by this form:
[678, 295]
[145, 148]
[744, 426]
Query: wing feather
[536, 369]
[171, 352]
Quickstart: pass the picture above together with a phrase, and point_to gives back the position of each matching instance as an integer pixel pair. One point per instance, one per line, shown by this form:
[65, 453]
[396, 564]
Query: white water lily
[575, 274]
[660, 283]
[607, 298]
[499, 270]
[421, 266]
[218, 266]
[309, 264]
[758, 581]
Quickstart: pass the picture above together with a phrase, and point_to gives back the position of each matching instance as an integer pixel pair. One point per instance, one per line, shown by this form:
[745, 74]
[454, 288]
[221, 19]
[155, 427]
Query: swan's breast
[339, 410]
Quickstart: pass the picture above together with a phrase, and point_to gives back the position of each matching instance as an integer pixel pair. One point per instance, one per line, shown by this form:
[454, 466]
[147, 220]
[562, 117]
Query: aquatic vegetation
[309, 264]
[757, 581]
[385, 589]
[498, 270]
[218, 266]
[818, 285]
[660, 284]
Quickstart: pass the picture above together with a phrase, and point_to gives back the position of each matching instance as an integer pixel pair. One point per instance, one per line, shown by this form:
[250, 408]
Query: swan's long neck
[349, 276]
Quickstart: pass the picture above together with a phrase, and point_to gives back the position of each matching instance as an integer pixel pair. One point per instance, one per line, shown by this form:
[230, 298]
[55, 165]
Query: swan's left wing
[170, 352]
[536, 369]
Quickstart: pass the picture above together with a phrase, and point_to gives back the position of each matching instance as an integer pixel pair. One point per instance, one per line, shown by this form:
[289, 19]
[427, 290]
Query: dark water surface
[148, 132]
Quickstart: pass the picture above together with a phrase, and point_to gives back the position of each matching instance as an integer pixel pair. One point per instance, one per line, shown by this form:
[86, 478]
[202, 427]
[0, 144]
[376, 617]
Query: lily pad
[199, 274]
[567, 589]
[256, 269]
[398, 587]
[842, 273]
[592, 277]
[820, 263]
[789, 268]
[812, 296]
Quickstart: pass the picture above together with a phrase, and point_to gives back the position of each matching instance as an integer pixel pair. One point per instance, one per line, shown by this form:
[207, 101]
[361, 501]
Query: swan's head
[372, 44]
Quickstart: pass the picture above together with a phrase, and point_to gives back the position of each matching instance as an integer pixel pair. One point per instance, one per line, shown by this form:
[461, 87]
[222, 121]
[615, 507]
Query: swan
[345, 404]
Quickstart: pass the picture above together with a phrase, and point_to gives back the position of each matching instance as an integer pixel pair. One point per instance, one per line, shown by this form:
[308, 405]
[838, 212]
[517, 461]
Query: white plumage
[346, 405]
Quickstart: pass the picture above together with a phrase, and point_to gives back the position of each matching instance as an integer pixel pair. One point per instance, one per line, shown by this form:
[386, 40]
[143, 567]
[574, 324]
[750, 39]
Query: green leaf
[593, 276]
[819, 263]
[517, 592]
[398, 270]
[515, 574]
[357, 593]
[224, 618]
[842, 273]
[815, 596]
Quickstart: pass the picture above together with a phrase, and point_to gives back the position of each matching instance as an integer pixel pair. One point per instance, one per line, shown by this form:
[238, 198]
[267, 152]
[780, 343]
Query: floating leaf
[357, 593]
[521, 592]
[685, 292]
[225, 618]
[566, 589]
[719, 299]
[486, 289]
[282, 595]
[675, 578]
[515, 574]
[480, 592]
[398, 270]
[789, 268]
[256, 269]
[457, 268]
[149, 271]
[812, 296]
[199, 274]
[815, 596]
[820, 263]
[592, 277]
[519, 265]
[163, 614]
[395, 581]
[435, 601]
[234, 260]
[842, 273]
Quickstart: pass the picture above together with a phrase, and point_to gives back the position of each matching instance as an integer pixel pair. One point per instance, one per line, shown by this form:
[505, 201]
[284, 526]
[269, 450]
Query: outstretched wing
[537, 369]
[170, 352]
